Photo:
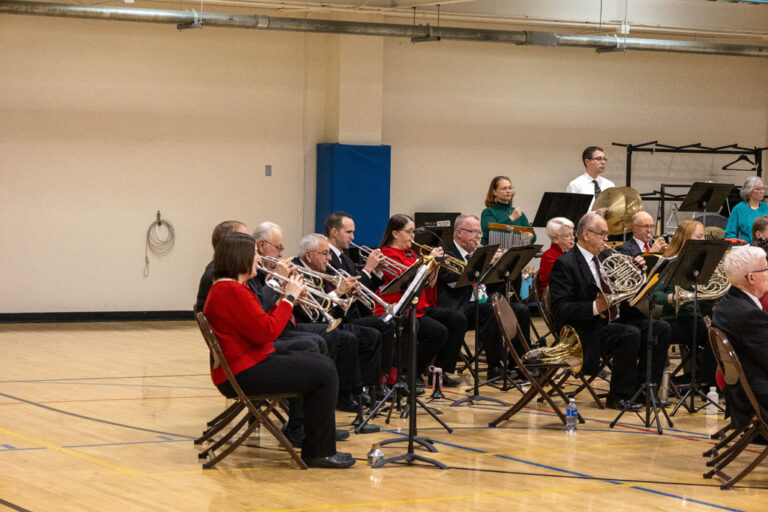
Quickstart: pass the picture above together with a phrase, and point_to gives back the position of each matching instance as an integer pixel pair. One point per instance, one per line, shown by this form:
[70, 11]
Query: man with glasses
[315, 254]
[643, 227]
[591, 182]
[466, 238]
[742, 318]
[574, 284]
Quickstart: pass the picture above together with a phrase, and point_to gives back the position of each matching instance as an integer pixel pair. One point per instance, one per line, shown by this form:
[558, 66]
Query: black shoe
[347, 403]
[366, 399]
[621, 404]
[335, 461]
[379, 392]
[295, 436]
[448, 382]
[604, 374]
[342, 435]
[420, 382]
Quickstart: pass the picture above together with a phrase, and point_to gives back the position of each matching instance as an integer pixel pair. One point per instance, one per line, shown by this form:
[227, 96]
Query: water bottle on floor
[571, 417]
[713, 399]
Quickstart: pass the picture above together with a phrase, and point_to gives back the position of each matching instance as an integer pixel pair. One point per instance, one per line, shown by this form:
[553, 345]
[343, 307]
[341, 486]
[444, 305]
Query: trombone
[365, 295]
[448, 262]
[315, 304]
[387, 264]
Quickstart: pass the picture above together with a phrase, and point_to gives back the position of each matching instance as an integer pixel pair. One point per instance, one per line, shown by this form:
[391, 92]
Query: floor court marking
[110, 378]
[114, 399]
[13, 506]
[435, 500]
[70, 452]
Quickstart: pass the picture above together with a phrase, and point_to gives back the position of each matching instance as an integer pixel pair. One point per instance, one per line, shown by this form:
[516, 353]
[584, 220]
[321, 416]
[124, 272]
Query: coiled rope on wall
[155, 243]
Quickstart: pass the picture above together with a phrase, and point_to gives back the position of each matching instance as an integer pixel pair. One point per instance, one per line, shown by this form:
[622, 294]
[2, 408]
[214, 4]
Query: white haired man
[742, 318]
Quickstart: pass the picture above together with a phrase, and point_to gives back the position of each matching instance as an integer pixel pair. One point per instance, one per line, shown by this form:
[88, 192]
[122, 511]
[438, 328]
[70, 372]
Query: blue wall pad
[354, 179]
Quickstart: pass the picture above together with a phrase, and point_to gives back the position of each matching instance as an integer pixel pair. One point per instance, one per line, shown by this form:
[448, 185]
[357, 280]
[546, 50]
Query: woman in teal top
[744, 214]
[499, 209]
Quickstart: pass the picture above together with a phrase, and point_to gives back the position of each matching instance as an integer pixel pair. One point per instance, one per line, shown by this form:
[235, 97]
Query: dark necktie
[613, 310]
[597, 188]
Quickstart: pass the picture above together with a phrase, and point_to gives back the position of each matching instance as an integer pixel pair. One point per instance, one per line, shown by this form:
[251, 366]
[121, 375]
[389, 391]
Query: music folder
[401, 282]
[561, 204]
[509, 265]
[477, 265]
[705, 197]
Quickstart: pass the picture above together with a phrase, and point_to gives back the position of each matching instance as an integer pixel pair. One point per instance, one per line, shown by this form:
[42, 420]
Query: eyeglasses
[409, 231]
[757, 271]
[599, 159]
[645, 226]
[475, 232]
[279, 248]
[601, 234]
[323, 253]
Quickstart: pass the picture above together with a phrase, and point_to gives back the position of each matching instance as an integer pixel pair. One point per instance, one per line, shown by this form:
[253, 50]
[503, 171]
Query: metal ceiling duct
[260, 22]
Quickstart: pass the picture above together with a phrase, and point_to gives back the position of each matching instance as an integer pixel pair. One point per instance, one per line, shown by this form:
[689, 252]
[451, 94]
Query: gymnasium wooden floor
[101, 417]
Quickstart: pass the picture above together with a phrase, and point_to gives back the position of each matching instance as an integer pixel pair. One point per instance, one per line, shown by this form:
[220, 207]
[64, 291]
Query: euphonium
[717, 286]
[448, 262]
[566, 351]
[623, 277]
[316, 304]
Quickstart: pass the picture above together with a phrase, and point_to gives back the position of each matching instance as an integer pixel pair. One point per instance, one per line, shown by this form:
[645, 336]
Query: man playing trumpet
[642, 240]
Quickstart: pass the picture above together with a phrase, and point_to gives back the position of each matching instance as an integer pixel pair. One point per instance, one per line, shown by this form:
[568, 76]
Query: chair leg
[278, 434]
[237, 442]
[730, 483]
[224, 419]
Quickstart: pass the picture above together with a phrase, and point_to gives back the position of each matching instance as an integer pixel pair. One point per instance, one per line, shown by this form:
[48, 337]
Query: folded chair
[508, 326]
[257, 408]
[734, 374]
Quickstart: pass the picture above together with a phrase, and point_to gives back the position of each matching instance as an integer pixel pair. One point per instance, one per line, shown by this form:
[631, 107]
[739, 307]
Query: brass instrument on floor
[567, 351]
[447, 262]
[717, 286]
[622, 276]
[387, 264]
[316, 304]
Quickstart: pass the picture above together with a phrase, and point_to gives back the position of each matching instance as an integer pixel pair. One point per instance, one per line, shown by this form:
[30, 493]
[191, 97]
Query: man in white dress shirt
[591, 182]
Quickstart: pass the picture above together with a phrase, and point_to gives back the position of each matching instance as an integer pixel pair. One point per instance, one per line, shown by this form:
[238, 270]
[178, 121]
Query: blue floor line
[691, 500]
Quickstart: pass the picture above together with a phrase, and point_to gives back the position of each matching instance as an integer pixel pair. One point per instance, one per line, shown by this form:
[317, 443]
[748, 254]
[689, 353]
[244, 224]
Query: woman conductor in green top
[499, 209]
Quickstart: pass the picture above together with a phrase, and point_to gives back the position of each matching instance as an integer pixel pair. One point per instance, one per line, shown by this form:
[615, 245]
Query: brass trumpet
[316, 304]
[312, 277]
[387, 265]
[568, 350]
[365, 295]
[448, 262]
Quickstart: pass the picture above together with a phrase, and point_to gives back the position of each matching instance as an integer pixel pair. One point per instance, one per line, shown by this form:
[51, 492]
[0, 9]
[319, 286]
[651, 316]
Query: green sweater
[500, 213]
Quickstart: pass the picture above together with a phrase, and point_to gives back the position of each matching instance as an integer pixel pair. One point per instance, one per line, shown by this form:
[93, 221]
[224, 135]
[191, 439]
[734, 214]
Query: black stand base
[694, 390]
[651, 404]
[410, 458]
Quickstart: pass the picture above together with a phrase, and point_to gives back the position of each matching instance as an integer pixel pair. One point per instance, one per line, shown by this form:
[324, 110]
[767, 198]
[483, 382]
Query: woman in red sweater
[246, 334]
[560, 232]
[441, 330]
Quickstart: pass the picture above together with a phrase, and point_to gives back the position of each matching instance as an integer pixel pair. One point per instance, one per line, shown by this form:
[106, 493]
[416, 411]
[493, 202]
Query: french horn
[566, 351]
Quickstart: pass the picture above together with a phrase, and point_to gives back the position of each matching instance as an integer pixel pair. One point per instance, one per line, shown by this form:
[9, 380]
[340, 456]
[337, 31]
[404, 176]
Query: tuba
[566, 351]
[623, 277]
[717, 286]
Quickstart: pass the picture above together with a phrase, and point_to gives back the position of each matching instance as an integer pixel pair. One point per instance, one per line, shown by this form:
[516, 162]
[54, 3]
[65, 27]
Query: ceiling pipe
[260, 22]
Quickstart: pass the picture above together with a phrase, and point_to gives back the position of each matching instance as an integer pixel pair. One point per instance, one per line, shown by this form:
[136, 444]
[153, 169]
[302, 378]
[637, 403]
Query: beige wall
[104, 123]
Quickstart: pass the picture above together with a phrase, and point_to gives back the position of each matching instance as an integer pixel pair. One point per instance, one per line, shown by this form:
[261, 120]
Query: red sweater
[428, 296]
[244, 330]
[547, 262]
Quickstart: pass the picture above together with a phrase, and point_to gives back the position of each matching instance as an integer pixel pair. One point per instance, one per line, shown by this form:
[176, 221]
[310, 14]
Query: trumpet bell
[333, 324]
[567, 351]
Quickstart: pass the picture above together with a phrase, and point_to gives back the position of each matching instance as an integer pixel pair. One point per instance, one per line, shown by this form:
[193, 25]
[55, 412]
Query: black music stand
[663, 269]
[507, 269]
[474, 270]
[411, 297]
[705, 197]
[695, 264]
[561, 204]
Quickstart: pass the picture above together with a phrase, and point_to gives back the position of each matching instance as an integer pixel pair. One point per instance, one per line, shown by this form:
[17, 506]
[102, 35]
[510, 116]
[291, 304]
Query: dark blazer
[447, 296]
[344, 262]
[746, 327]
[630, 248]
[266, 295]
[206, 281]
[627, 312]
[572, 288]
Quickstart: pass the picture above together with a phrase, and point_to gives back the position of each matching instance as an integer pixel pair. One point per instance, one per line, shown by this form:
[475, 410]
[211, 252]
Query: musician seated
[683, 320]
[574, 284]
[560, 232]
[314, 254]
[499, 209]
[340, 232]
[246, 334]
[760, 239]
[466, 238]
[642, 240]
[744, 214]
[741, 317]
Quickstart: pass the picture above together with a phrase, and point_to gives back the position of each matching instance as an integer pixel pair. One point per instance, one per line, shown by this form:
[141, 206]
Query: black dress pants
[489, 329]
[621, 343]
[455, 326]
[682, 332]
[662, 332]
[387, 338]
[313, 377]
[368, 351]
[342, 348]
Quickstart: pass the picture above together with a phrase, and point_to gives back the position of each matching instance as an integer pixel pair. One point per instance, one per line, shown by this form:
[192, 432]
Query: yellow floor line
[69, 451]
[442, 498]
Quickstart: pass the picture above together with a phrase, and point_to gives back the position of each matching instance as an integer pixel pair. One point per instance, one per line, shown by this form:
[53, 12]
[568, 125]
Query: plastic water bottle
[713, 399]
[571, 417]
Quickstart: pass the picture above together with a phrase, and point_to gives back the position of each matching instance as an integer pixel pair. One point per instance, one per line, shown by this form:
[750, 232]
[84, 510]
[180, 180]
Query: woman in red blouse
[560, 232]
[246, 334]
[441, 331]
